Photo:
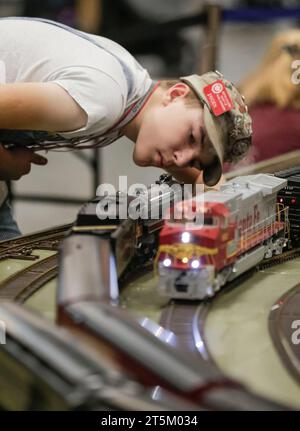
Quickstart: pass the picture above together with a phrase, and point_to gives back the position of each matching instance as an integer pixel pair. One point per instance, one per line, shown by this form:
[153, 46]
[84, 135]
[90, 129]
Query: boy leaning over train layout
[63, 88]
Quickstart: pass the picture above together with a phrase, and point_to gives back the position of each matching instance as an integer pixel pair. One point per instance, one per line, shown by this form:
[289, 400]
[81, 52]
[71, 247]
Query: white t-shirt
[104, 80]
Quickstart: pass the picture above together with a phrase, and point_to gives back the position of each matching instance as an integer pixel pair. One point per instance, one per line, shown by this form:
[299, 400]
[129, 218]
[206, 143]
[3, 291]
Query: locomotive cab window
[211, 221]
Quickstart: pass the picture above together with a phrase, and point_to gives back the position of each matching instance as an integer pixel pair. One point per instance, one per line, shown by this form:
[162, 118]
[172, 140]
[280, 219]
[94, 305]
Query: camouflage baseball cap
[226, 119]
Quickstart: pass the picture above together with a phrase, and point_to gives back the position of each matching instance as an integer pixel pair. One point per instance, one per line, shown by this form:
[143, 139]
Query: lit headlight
[186, 237]
[167, 262]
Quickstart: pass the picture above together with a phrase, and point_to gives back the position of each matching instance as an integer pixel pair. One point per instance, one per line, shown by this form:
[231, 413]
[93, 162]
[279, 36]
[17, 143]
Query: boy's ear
[179, 90]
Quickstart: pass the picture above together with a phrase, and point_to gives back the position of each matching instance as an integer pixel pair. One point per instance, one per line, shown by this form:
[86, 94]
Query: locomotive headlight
[195, 264]
[185, 260]
[186, 237]
[167, 262]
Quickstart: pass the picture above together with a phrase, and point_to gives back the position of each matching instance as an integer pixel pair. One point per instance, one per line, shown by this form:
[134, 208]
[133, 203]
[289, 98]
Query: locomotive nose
[187, 283]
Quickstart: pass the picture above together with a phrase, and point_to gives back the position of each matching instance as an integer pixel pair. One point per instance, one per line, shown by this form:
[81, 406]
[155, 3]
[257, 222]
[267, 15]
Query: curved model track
[38, 264]
[230, 331]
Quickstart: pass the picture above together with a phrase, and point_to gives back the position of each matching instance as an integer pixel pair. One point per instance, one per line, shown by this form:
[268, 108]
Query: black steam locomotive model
[133, 237]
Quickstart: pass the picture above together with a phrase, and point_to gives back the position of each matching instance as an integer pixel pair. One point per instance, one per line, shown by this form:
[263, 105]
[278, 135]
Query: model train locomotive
[134, 241]
[251, 218]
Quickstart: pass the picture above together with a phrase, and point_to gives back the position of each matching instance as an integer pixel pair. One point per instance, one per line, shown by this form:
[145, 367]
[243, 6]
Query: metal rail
[20, 286]
[38, 239]
[284, 321]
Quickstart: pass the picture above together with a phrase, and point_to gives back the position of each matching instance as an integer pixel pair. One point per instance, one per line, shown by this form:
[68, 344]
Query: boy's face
[173, 134]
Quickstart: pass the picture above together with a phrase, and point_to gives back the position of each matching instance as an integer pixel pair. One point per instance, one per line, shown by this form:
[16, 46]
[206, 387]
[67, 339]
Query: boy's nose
[182, 158]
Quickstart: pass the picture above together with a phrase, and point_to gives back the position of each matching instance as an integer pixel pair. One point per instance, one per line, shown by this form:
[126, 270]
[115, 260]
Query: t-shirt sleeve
[97, 93]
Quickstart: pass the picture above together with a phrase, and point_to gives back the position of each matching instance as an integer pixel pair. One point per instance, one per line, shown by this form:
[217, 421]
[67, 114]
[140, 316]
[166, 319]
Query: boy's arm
[39, 106]
[34, 106]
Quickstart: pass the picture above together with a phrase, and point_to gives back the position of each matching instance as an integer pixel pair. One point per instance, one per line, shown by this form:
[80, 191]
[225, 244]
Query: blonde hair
[272, 81]
[191, 99]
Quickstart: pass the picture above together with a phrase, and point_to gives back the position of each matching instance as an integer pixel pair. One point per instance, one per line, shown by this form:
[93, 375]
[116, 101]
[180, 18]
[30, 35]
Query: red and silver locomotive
[240, 226]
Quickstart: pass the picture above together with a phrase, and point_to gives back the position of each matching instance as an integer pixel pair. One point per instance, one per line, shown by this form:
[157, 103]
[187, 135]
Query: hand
[16, 162]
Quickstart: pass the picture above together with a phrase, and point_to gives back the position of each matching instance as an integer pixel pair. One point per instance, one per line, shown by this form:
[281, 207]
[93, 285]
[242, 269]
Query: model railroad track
[187, 320]
[45, 240]
[277, 260]
[21, 285]
[284, 321]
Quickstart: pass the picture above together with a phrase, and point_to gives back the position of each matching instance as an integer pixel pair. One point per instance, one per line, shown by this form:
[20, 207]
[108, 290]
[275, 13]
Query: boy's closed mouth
[161, 162]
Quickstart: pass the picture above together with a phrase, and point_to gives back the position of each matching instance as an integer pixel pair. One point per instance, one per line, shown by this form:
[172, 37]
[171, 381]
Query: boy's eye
[202, 140]
[192, 138]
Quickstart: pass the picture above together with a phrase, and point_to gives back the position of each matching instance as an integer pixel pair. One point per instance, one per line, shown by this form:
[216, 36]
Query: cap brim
[212, 174]
[215, 129]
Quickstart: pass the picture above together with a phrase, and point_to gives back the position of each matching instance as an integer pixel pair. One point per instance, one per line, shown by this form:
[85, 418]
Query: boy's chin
[140, 161]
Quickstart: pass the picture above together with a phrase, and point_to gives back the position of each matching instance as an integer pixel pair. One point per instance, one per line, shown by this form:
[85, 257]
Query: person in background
[273, 98]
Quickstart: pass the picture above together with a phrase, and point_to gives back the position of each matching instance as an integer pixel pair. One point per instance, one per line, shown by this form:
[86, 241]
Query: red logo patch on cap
[218, 98]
